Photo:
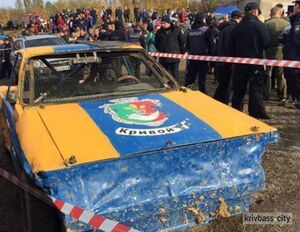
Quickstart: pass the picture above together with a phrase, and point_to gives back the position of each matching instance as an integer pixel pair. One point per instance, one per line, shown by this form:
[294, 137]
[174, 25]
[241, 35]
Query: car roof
[80, 47]
[109, 44]
[34, 37]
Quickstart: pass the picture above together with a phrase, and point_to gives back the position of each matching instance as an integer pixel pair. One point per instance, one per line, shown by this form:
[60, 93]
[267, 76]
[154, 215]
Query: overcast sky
[11, 3]
[6, 3]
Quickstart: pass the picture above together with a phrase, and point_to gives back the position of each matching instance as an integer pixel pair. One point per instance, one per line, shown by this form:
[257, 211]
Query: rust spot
[254, 128]
[222, 210]
[70, 161]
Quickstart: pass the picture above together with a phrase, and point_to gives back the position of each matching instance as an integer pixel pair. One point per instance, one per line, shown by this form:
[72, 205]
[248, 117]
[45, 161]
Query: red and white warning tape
[225, 59]
[5, 49]
[235, 60]
[86, 216]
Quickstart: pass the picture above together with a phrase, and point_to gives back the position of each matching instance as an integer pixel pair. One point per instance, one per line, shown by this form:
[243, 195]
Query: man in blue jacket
[200, 41]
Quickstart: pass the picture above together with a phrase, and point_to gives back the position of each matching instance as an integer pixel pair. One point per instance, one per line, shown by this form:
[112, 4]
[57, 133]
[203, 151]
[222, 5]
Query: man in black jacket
[126, 14]
[291, 51]
[224, 70]
[119, 34]
[249, 39]
[170, 39]
[200, 41]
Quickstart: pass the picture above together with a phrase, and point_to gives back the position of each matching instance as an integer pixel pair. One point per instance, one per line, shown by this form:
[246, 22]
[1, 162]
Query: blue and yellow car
[106, 128]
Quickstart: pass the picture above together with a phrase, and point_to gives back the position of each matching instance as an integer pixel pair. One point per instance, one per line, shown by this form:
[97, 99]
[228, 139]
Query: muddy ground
[281, 163]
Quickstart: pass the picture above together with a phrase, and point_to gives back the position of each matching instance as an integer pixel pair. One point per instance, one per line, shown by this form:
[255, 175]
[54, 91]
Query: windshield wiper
[40, 98]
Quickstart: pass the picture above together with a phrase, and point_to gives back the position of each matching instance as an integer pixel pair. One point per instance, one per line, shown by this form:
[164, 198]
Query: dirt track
[282, 194]
[281, 163]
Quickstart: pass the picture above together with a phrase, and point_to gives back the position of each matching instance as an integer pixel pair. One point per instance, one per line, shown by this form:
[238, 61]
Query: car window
[44, 42]
[75, 77]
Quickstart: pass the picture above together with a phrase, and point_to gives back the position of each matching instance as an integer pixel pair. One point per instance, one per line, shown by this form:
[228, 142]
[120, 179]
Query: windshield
[44, 42]
[81, 76]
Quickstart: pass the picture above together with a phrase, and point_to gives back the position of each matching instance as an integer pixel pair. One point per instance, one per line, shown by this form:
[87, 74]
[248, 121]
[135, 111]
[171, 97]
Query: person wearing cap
[224, 70]
[291, 51]
[276, 25]
[169, 39]
[250, 38]
[200, 41]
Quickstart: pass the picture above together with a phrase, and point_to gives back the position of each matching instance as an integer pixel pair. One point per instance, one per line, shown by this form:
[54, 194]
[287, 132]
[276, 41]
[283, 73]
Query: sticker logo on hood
[132, 111]
[144, 112]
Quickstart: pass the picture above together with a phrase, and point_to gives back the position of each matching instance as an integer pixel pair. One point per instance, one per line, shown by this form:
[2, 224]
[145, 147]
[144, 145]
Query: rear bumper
[153, 192]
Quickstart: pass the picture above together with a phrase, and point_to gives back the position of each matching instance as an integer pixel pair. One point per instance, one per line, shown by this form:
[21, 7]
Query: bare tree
[19, 5]
[208, 5]
[27, 4]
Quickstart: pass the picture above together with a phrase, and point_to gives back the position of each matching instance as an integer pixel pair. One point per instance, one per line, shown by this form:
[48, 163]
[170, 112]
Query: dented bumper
[167, 189]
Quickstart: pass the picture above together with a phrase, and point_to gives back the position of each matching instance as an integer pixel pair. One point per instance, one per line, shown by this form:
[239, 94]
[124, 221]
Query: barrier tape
[225, 59]
[86, 216]
[6, 49]
[235, 60]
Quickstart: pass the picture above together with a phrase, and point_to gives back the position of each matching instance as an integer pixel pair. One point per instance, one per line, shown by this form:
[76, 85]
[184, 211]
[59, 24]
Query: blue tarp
[225, 9]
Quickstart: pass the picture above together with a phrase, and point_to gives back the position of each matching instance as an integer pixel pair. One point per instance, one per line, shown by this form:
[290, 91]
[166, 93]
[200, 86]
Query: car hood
[107, 129]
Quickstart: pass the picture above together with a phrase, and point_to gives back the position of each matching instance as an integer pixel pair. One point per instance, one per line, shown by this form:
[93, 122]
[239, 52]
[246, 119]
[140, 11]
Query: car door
[7, 112]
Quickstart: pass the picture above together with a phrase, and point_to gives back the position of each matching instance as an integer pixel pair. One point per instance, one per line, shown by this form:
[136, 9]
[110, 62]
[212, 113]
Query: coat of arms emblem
[132, 111]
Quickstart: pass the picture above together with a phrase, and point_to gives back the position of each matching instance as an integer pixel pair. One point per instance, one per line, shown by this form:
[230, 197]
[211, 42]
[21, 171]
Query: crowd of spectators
[180, 31]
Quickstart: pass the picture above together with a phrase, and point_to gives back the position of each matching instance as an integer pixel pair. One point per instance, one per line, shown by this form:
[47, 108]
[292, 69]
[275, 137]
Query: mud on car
[104, 127]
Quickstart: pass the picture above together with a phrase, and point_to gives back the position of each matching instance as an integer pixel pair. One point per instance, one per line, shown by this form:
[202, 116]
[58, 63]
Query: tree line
[46, 8]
